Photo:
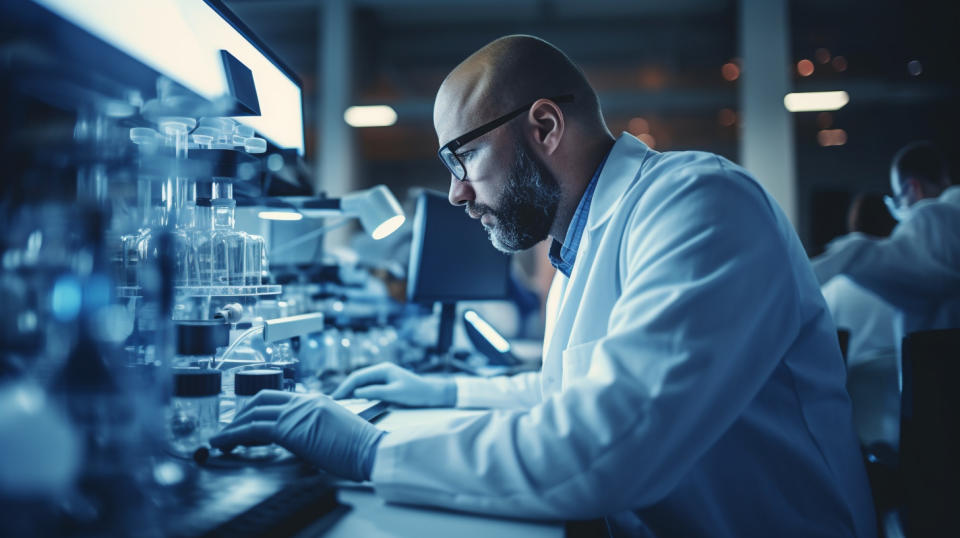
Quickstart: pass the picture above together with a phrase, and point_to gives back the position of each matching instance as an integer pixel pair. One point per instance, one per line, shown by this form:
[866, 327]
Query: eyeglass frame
[457, 143]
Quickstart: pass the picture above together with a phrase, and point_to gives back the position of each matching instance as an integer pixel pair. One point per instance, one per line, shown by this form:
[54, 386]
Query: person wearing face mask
[917, 268]
[691, 383]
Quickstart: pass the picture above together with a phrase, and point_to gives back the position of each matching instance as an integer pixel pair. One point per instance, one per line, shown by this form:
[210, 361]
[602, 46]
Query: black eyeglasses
[452, 160]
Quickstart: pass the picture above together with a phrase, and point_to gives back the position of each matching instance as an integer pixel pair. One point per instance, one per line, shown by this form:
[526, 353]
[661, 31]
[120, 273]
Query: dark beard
[526, 207]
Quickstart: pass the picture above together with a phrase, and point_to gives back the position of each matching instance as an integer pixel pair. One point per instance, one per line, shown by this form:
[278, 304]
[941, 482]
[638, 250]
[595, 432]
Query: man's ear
[545, 122]
[914, 190]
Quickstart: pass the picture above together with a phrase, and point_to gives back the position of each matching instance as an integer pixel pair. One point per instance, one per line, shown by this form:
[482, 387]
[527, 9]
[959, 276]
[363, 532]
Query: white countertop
[372, 517]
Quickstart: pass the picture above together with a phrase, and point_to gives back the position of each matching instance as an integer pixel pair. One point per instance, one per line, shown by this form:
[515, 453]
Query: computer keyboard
[292, 508]
[365, 409]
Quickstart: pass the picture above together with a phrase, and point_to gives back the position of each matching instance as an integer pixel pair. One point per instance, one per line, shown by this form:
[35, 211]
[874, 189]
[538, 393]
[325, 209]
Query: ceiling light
[815, 101]
[370, 116]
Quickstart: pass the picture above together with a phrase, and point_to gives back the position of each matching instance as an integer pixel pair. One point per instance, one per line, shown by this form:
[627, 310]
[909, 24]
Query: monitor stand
[439, 358]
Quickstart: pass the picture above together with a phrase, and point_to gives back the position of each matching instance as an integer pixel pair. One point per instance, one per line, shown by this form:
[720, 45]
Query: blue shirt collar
[563, 255]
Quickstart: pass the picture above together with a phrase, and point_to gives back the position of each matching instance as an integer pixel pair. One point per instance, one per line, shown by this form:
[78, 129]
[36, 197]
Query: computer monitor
[451, 259]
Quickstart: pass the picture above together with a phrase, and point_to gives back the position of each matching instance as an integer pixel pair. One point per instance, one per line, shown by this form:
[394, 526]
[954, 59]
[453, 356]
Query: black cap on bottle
[196, 382]
[201, 337]
[250, 382]
[204, 192]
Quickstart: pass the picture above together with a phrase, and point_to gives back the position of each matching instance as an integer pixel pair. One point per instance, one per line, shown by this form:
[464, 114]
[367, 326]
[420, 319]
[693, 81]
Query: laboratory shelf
[209, 291]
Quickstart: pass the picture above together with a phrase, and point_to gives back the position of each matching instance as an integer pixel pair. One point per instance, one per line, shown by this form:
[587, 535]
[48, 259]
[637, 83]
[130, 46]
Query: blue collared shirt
[562, 255]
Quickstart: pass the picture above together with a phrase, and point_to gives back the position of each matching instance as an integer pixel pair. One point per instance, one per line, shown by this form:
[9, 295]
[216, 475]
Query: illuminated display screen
[182, 39]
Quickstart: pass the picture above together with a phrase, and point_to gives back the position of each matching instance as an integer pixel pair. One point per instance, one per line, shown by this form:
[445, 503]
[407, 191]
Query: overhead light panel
[370, 116]
[815, 101]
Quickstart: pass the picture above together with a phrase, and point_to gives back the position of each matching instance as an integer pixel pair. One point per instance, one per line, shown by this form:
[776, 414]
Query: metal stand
[439, 358]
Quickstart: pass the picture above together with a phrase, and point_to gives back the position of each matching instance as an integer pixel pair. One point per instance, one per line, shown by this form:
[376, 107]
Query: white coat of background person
[691, 384]
[868, 318]
[917, 268]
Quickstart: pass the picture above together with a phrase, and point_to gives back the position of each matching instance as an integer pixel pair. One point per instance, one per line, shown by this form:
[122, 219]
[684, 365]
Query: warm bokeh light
[727, 117]
[649, 140]
[805, 67]
[839, 63]
[638, 126]
[652, 78]
[832, 137]
[730, 71]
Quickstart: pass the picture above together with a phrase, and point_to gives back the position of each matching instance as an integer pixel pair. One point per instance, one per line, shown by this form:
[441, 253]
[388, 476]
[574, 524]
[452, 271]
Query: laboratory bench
[286, 498]
[372, 517]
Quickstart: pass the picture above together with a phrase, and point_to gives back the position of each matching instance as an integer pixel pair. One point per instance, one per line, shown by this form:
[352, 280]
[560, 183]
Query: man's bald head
[523, 181]
[504, 75]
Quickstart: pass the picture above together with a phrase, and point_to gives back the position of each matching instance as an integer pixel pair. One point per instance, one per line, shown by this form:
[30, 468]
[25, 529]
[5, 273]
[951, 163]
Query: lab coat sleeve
[902, 269]
[707, 309]
[521, 391]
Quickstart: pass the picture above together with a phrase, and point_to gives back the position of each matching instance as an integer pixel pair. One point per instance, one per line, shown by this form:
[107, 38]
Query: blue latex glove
[389, 382]
[313, 427]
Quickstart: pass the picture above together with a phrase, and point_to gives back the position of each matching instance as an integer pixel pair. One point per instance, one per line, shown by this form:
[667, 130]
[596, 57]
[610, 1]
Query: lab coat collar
[951, 195]
[620, 170]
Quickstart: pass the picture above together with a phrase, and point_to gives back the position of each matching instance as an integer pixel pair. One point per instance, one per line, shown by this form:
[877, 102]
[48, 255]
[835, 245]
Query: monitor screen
[451, 258]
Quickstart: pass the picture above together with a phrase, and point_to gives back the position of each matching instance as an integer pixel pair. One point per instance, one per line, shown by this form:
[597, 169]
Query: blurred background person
[869, 319]
[917, 268]
[872, 349]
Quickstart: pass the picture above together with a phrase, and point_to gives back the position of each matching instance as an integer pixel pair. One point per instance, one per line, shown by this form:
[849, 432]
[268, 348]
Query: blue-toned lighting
[488, 332]
[67, 298]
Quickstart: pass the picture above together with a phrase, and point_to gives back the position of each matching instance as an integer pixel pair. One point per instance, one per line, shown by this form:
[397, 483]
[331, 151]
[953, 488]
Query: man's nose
[460, 191]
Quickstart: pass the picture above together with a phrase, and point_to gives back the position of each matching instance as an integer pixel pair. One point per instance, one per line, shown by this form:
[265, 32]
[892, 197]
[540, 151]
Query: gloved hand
[313, 427]
[389, 382]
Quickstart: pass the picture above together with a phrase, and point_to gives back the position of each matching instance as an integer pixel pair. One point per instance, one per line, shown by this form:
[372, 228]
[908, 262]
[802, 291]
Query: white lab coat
[870, 321]
[691, 377]
[916, 269]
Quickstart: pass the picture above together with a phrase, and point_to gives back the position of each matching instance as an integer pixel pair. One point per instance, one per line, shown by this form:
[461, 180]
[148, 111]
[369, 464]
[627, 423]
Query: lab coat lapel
[620, 171]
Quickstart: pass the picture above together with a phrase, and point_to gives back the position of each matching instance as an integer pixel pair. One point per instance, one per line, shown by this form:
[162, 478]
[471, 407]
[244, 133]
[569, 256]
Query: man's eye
[466, 155]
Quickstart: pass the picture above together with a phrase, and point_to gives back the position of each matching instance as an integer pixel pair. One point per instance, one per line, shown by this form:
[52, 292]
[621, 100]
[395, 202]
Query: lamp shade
[379, 212]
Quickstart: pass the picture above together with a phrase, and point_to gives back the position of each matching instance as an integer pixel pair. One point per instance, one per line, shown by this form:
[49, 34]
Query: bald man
[691, 385]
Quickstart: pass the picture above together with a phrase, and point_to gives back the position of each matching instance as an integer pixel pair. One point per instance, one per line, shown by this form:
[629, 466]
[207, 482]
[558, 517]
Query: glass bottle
[252, 259]
[180, 195]
[246, 384]
[148, 206]
[193, 416]
[228, 245]
[202, 243]
[283, 358]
